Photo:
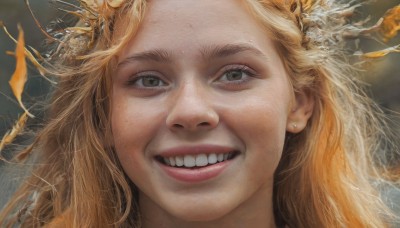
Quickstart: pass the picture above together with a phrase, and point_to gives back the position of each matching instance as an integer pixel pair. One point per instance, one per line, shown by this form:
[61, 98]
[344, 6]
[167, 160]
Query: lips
[196, 163]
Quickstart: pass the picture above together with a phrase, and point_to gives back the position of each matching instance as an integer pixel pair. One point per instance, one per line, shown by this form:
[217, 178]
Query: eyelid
[239, 67]
[144, 73]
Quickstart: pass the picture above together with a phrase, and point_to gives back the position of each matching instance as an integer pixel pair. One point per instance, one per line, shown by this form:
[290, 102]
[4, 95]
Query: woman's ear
[301, 111]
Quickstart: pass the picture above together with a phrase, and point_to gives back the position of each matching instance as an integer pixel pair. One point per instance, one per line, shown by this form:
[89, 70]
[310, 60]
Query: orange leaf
[19, 78]
[11, 135]
[391, 23]
[29, 55]
[381, 53]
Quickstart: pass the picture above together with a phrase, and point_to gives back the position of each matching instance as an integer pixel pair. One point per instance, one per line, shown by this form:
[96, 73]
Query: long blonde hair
[325, 178]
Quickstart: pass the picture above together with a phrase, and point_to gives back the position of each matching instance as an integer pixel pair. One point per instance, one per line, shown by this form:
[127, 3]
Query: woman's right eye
[148, 81]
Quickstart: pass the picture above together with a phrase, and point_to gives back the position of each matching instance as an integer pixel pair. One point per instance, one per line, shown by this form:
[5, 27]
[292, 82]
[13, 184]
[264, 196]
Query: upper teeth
[196, 160]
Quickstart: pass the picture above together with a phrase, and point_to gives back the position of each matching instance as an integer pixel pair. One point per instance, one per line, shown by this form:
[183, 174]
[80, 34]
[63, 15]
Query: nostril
[192, 121]
[178, 126]
[203, 124]
[181, 126]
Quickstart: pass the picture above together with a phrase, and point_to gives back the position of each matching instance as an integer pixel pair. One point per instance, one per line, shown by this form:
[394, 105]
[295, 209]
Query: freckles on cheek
[123, 129]
[133, 127]
[128, 150]
[265, 127]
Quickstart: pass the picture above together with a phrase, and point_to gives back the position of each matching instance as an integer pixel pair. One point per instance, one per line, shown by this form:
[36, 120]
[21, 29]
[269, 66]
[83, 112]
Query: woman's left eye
[147, 82]
[150, 81]
[236, 74]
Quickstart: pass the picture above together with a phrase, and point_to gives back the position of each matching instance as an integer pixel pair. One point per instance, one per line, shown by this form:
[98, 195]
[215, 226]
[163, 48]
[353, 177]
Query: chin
[200, 216]
[201, 213]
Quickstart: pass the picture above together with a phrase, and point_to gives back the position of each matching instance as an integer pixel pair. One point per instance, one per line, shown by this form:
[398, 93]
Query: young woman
[205, 114]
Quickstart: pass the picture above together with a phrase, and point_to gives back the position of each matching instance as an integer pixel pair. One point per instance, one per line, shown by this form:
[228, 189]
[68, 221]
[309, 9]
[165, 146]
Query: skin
[195, 95]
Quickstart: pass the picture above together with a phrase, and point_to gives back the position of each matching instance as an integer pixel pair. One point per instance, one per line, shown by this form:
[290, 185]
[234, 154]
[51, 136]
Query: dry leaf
[80, 30]
[95, 4]
[115, 3]
[19, 78]
[11, 135]
[391, 23]
[307, 4]
[381, 53]
[92, 4]
[299, 5]
[29, 55]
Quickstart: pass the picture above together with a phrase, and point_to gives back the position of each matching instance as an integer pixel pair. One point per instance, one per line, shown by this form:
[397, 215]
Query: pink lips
[195, 174]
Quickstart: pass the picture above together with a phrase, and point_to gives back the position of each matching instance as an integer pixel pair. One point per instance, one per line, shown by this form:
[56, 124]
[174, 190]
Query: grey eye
[234, 75]
[150, 81]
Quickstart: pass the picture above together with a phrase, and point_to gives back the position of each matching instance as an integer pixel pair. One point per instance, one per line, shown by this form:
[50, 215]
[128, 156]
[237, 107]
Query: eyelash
[247, 71]
[238, 68]
[142, 76]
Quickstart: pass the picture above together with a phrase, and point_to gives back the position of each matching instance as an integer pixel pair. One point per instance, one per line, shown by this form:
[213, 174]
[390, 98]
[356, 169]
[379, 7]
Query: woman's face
[201, 103]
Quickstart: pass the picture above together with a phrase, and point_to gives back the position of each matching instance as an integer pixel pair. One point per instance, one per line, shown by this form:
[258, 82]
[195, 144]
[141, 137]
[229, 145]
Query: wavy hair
[327, 172]
[326, 178]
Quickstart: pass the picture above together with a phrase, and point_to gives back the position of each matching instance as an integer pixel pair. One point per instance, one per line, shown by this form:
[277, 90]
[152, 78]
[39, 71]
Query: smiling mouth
[196, 160]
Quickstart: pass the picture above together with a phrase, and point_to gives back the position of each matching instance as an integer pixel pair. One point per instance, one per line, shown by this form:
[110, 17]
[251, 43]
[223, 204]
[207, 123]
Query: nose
[191, 109]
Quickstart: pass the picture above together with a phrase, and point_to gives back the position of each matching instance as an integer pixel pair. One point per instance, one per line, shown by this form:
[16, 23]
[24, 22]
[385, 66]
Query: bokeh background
[381, 77]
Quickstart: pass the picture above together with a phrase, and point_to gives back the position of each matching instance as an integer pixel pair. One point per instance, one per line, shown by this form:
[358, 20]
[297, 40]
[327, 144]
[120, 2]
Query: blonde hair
[326, 174]
[325, 177]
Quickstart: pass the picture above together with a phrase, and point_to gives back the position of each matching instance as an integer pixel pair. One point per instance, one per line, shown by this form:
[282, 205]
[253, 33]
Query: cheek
[260, 120]
[125, 126]
[132, 126]
[133, 119]
[261, 125]
[266, 134]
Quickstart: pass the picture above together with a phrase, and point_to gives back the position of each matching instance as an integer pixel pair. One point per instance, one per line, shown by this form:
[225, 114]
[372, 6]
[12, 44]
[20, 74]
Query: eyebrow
[156, 55]
[207, 53]
[226, 50]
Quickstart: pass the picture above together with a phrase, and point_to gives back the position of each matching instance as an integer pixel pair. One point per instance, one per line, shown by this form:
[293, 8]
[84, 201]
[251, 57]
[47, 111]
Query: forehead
[227, 10]
[184, 24]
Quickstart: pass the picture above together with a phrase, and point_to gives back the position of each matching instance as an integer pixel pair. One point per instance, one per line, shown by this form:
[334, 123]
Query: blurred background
[13, 12]
[382, 77]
